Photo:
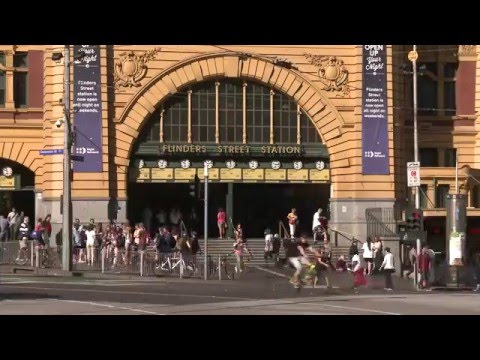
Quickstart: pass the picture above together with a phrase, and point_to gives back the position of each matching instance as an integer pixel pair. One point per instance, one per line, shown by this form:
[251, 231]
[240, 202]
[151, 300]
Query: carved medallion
[331, 71]
[131, 68]
[467, 50]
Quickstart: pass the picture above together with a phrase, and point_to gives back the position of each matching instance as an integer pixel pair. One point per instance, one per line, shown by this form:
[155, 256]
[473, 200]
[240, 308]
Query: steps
[218, 247]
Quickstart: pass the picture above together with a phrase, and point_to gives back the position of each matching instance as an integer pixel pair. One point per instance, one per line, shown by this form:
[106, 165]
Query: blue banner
[87, 104]
[375, 157]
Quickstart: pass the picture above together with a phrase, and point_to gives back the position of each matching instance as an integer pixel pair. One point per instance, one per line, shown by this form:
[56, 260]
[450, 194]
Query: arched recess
[17, 189]
[319, 109]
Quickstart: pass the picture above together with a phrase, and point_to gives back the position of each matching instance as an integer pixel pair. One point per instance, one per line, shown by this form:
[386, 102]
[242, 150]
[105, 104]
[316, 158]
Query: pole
[205, 221]
[66, 218]
[456, 173]
[415, 124]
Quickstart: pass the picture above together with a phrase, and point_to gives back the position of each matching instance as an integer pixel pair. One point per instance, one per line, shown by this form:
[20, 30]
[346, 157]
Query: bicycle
[48, 259]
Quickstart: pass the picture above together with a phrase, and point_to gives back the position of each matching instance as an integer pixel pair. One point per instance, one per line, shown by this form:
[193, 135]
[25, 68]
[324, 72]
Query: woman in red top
[221, 222]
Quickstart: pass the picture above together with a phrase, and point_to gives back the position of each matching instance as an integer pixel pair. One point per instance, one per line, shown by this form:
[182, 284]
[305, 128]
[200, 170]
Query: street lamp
[205, 221]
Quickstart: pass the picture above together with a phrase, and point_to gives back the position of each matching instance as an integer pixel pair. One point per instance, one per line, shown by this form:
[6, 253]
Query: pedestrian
[388, 268]
[424, 265]
[368, 255]
[292, 222]
[358, 271]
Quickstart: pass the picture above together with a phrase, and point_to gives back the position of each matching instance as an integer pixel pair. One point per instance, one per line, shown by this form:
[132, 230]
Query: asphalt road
[261, 292]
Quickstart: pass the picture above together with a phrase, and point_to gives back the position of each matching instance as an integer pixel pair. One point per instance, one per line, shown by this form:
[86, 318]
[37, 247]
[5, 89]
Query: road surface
[259, 296]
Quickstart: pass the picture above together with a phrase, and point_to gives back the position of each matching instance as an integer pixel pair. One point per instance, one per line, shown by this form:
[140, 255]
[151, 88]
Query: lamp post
[205, 221]
[414, 57]
[67, 193]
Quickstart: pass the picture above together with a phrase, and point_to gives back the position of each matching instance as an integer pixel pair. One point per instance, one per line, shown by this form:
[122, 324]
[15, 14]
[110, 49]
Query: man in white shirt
[316, 223]
[388, 267]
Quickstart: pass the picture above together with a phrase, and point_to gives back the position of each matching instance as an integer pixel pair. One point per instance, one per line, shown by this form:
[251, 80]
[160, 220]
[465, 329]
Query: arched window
[247, 112]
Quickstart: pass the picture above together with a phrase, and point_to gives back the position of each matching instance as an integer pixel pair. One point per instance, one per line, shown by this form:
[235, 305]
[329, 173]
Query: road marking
[351, 308]
[134, 292]
[271, 272]
[109, 306]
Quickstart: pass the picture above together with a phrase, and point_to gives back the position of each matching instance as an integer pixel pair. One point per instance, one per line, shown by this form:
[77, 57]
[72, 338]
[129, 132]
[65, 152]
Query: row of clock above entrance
[231, 164]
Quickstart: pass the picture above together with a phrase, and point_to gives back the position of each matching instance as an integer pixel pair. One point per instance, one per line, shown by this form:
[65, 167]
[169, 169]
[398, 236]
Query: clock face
[141, 164]
[230, 164]
[7, 171]
[297, 165]
[185, 164]
[320, 165]
[253, 164]
[162, 164]
[276, 165]
[208, 163]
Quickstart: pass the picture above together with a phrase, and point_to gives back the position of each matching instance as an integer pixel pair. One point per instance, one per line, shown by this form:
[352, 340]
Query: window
[437, 71]
[232, 107]
[20, 79]
[428, 157]
[308, 131]
[424, 196]
[175, 122]
[284, 119]
[258, 114]
[230, 115]
[441, 194]
[450, 157]
[203, 113]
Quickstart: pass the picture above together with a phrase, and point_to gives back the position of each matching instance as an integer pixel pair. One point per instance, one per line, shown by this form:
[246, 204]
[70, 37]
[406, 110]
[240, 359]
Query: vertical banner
[375, 158]
[87, 106]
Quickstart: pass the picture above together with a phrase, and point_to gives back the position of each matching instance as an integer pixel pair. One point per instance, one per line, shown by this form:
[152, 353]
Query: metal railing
[282, 230]
[344, 234]
[381, 222]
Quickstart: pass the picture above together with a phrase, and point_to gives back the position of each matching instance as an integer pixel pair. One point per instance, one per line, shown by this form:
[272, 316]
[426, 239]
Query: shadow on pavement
[26, 296]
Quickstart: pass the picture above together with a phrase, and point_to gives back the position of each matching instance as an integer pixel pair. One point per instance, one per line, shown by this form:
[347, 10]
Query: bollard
[219, 267]
[141, 263]
[32, 256]
[37, 259]
[103, 260]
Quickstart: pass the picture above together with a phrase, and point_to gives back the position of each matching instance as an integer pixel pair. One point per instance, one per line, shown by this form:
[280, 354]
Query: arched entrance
[17, 189]
[264, 153]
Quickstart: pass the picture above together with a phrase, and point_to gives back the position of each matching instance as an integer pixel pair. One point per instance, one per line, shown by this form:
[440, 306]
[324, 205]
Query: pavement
[260, 291]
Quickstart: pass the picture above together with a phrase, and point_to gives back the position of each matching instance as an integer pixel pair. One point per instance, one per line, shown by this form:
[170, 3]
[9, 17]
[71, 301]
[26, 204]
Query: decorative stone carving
[467, 50]
[131, 68]
[331, 71]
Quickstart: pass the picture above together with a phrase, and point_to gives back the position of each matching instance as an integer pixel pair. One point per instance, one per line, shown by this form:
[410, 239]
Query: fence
[116, 261]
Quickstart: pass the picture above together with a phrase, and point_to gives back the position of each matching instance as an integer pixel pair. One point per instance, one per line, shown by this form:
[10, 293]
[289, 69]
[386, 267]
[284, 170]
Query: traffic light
[415, 220]
[195, 188]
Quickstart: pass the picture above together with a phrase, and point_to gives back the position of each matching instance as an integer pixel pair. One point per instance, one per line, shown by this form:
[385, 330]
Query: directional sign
[51, 152]
[413, 174]
[78, 158]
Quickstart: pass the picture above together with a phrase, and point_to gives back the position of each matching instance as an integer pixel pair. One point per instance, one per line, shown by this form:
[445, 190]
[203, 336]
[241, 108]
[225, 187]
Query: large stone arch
[317, 106]
[22, 153]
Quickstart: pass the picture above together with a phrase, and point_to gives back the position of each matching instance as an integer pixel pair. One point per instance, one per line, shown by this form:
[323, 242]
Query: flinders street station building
[277, 127]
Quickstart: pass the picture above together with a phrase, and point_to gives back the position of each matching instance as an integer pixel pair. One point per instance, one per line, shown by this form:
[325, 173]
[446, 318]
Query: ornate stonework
[331, 71]
[131, 68]
[467, 50]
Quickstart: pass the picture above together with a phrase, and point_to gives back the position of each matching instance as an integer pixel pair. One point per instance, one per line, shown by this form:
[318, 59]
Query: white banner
[455, 246]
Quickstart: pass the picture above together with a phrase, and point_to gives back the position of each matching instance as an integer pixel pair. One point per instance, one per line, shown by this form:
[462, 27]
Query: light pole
[415, 124]
[205, 221]
[67, 192]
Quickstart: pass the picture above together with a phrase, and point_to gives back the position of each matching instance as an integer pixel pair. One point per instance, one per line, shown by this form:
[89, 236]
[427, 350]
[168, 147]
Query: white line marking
[353, 308]
[109, 306]
[271, 272]
[134, 292]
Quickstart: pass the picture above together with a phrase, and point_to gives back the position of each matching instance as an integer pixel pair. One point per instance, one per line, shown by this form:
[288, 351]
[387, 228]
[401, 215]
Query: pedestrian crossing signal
[195, 188]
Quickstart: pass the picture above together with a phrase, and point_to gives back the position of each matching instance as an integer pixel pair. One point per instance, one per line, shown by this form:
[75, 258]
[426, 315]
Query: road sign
[51, 152]
[412, 55]
[413, 173]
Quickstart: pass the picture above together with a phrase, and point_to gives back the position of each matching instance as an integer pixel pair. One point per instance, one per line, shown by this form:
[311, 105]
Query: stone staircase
[218, 247]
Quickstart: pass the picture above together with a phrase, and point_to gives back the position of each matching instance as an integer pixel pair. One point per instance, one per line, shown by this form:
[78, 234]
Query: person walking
[388, 267]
